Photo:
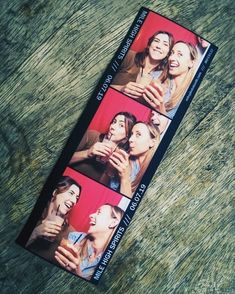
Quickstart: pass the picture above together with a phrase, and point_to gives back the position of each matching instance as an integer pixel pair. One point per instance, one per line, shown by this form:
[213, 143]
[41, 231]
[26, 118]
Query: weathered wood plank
[181, 238]
[25, 25]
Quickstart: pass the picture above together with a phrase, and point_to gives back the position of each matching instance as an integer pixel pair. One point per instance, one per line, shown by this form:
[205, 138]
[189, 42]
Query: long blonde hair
[154, 133]
[178, 94]
[116, 213]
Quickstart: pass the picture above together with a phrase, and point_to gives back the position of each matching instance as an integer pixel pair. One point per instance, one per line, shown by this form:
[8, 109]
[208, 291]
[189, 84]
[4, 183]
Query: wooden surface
[52, 55]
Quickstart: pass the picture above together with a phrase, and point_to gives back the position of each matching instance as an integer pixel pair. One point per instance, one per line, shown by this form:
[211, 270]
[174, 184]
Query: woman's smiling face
[160, 46]
[65, 201]
[100, 220]
[179, 60]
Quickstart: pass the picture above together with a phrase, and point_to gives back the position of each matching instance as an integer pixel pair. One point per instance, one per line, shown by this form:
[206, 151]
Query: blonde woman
[166, 95]
[83, 252]
[130, 167]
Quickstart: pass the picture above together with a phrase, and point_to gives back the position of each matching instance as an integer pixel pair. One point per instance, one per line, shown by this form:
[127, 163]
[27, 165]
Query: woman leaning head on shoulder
[166, 93]
[131, 166]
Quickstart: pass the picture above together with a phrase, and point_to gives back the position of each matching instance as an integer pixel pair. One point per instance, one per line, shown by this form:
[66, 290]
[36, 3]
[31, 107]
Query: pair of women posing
[160, 74]
[55, 239]
[120, 157]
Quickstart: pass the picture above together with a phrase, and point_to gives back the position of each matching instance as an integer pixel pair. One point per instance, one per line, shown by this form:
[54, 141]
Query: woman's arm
[108, 174]
[154, 96]
[120, 161]
[45, 229]
[79, 156]
[133, 89]
[125, 79]
[68, 257]
[118, 87]
[125, 187]
[99, 148]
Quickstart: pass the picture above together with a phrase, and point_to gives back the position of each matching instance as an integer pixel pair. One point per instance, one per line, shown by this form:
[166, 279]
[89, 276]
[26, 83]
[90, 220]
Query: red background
[112, 103]
[93, 195]
[154, 23]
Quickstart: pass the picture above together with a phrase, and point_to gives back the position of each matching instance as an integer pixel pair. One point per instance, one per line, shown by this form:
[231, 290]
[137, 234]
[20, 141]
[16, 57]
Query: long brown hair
[154, 133]
[130, 120]
[140, 56]
[63, 185]
[178, 94]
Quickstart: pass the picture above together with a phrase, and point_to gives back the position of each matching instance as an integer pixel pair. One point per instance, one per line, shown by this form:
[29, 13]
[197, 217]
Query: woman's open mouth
[68, 204]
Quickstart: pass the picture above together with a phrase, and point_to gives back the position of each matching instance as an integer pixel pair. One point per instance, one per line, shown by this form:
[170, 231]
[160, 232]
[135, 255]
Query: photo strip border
[82, 125]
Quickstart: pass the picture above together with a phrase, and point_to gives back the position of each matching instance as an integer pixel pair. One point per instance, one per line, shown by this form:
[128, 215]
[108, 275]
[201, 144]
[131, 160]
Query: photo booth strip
[144, 25]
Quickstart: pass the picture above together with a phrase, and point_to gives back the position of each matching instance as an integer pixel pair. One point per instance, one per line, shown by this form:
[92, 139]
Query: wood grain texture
[182, 237]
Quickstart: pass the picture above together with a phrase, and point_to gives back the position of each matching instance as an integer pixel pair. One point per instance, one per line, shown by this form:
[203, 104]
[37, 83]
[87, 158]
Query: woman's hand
[120, 161]
[68, 257]
[45, 229]
[48, 229]
[133, 90]
[153, 95]
[99, 148]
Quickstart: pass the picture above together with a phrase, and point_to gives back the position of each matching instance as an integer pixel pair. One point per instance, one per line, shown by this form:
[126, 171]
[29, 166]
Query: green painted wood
[52, 55]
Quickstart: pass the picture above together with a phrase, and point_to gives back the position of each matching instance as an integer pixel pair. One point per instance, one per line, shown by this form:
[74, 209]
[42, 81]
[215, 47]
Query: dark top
[46, 248]
[90, 166]
[128, 71]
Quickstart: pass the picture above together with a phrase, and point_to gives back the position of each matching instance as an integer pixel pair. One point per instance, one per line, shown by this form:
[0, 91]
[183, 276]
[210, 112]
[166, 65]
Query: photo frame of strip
[98, 182]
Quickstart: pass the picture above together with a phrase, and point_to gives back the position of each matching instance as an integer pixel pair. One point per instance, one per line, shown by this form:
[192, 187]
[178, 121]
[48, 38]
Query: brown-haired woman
[53, 224]
[94, 149]
[138, 69]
